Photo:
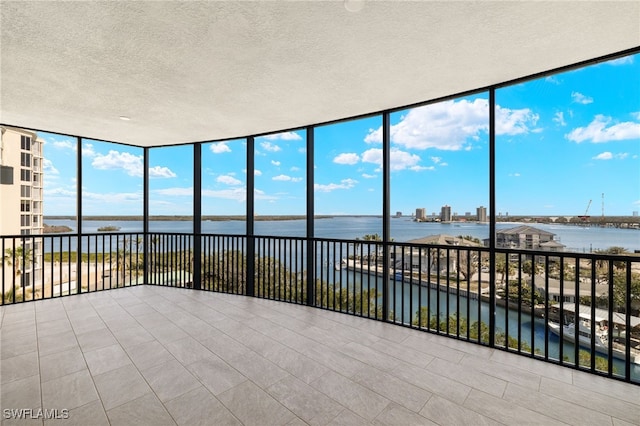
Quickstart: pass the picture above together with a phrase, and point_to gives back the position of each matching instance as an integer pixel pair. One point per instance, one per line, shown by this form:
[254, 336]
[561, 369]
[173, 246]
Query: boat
[600, 339]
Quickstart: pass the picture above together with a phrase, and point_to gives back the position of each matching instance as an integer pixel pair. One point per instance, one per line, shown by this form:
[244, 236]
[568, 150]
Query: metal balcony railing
[534, 303]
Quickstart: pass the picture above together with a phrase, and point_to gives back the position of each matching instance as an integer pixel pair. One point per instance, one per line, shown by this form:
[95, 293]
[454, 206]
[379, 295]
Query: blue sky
[561, 141]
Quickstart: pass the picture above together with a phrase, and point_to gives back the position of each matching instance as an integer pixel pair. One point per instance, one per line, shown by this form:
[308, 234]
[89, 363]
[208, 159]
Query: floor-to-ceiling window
[171, 189]
[567, 171]
[224, 187]
[348, 179]
[280, 195]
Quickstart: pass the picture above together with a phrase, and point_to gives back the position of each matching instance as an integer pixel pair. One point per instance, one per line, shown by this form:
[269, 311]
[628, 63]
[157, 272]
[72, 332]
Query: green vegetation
[109, 228]
[20, 256]
[57, 229]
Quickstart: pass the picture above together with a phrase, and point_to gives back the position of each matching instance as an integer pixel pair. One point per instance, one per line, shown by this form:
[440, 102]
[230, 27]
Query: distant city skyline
[560, 141]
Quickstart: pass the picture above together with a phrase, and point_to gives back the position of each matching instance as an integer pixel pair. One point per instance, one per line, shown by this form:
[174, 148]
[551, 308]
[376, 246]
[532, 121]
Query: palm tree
[22, 256]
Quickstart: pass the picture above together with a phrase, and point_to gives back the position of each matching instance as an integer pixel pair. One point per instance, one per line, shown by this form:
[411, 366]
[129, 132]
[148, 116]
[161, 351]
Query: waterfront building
[421, 214]
[526, 237]
[21, 214]
[445, 213]
[434, 259]
[481, 212]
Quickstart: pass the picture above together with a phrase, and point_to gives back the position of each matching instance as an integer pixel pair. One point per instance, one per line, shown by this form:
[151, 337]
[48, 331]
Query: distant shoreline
[527, 219]
[189, 218]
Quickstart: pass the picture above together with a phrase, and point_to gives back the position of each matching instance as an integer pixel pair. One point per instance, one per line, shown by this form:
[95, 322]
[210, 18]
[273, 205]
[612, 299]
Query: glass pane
[224, 187]
[440, 170]
[348, 179]
[112, 181]
[567, 157]
[280, 184]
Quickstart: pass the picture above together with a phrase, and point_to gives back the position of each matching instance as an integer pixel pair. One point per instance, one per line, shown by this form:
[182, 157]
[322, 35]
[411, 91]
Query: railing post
[311, 255]
[197, 216]
[79, 220]
[251, 249]
[145, 216]
[386, 211]
[492, 217]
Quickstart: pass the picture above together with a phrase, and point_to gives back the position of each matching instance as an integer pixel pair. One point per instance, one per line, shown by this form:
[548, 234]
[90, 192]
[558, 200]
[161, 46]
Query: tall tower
[21, 215]
[481, 212]
[445, 213]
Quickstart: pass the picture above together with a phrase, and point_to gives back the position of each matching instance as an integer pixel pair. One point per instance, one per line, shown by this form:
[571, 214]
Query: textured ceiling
[210, 70]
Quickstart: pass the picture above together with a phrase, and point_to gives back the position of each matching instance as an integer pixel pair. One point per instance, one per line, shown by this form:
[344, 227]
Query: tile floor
[162, 356]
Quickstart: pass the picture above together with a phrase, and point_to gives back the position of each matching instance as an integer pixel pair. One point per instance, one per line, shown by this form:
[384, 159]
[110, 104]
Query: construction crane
[586, 216]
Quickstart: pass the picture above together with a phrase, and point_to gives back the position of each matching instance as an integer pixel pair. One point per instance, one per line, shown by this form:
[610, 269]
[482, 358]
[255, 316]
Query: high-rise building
[21, 211]
[421, 214]
[481, 212]
[445, 213]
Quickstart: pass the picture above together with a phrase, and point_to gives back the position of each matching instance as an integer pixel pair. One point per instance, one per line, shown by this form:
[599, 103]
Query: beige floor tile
[144, 411]
[253, 406]
[357, 398]
[199, 408]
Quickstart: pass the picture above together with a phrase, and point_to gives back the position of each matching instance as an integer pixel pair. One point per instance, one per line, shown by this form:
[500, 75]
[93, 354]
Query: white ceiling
[211, 70]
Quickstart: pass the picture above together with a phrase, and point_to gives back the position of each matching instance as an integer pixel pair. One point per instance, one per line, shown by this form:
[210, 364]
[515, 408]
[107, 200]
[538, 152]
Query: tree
[22, 257]
[470, 238]
[504, 267]
[467, 263]
[531, 268]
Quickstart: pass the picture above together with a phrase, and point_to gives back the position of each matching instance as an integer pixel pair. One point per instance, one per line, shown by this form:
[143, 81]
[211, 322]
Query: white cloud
[368, 176]
[515, 121]
[625, 60]
[558, 118]
[228, 180]
[436, 159]
[603, 156]
[237, 194]
[610, 156]
[514, 174]
[129, 163]
[452, 125]
[256, 172]
[347, 158]
[598, 132]
[175, 192]
[48, 167]
[268, 146]
[400, 160]
[636, 115]
[59, 191]
[344, 184]
[285, 178]
[295, 169]
[113, 197]
[219, 147]
[87, 150]
[275, 163]
[421, 168]
[161, 172]
[553, 80]
[579, 98]
[65, 145]
[285, 136]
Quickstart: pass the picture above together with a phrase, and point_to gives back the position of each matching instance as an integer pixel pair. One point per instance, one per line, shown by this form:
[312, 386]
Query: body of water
[575, 238]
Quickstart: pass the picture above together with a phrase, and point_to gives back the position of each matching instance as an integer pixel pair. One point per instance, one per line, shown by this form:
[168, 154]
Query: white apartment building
[21, 208]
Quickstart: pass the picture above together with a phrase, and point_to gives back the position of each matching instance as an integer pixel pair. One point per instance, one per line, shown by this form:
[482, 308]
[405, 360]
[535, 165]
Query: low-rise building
[526, 237]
